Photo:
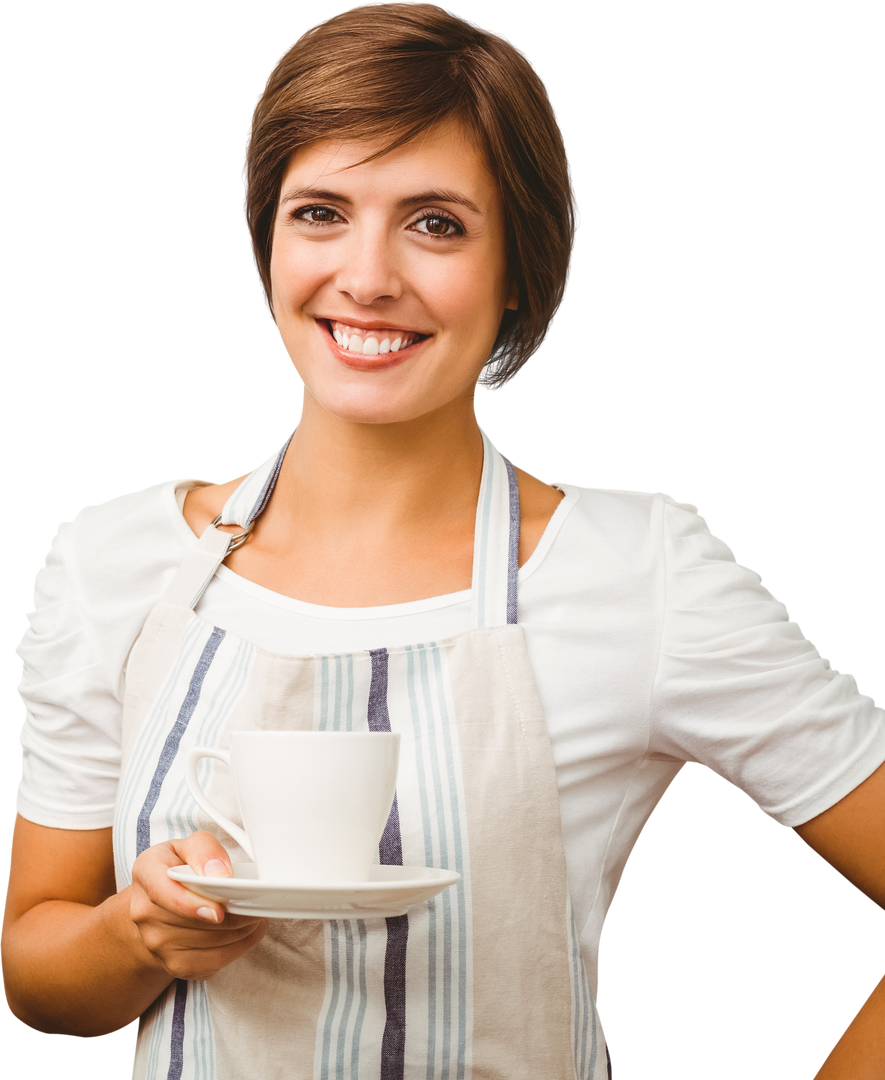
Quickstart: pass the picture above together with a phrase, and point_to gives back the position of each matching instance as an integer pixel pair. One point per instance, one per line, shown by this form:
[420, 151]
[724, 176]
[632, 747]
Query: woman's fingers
[187, 953]
[205, 855]
[191, 936]
[203, 852]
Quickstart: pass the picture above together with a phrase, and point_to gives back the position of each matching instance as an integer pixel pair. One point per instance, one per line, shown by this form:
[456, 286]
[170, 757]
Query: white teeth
[370, 346]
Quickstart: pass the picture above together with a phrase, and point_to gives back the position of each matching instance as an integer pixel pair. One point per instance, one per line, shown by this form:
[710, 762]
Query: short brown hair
[389, 72]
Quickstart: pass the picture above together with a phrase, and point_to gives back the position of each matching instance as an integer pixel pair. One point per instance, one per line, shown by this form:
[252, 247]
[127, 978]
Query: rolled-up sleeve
[70, 737]
[740, 689]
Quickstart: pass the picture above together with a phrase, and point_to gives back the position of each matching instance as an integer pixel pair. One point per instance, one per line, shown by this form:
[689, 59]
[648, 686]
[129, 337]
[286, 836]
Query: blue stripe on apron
[269, 484]
[176, 1050]
[349, 990]
[355, 937]
[143, 827]
[173, 740]
[393, 1042]
[446, 965]
[512, 543]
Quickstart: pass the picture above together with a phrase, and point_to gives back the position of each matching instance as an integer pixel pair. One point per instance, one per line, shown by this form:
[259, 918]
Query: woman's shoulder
[104, 572]
[202, 503]
[109, 547]
[629, 517]
[138, 511]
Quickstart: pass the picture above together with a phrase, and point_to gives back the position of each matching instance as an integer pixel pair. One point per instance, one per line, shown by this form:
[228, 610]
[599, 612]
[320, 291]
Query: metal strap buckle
[237, 539]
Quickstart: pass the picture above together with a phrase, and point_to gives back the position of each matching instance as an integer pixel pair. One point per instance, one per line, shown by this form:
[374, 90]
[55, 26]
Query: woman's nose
[369, 269]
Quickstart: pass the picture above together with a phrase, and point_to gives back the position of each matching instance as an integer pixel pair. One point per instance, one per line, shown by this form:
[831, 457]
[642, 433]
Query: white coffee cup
[314, 803]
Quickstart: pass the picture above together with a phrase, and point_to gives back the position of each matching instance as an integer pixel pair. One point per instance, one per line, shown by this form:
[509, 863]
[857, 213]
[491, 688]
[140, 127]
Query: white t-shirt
[649, 644]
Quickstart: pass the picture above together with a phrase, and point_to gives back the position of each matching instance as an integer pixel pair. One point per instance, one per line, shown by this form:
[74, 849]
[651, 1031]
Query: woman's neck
[398, 476]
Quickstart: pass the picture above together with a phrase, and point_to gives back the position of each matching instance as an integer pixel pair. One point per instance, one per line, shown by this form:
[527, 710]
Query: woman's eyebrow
[422, 198]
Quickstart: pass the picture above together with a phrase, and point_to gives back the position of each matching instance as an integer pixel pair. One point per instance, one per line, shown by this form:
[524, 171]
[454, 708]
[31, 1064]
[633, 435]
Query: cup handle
[194, 755]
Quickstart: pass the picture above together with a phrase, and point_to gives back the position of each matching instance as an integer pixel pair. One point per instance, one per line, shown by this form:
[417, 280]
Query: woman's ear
[512, 297]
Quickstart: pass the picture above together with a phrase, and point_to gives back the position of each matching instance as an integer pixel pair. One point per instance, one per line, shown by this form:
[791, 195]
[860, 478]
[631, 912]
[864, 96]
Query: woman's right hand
[190, 936]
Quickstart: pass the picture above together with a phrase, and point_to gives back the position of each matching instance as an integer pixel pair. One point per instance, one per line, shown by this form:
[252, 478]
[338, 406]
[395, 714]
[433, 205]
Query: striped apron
[484, 982]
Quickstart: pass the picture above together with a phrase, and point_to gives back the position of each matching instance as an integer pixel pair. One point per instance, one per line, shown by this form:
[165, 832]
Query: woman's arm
[80, 958]
[860, 1053]
[851, 837]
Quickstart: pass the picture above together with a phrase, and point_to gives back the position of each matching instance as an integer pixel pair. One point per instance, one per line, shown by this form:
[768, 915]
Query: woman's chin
[364, 406]
[359, 408]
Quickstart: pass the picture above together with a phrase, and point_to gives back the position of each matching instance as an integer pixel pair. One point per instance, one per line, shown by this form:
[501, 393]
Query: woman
[408, 225]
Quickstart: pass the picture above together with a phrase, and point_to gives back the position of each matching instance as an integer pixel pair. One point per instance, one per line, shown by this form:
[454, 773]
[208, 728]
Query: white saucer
[390, 891]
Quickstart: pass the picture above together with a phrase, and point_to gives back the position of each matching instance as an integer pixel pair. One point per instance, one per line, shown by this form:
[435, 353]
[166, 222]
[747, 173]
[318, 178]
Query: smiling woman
[549, 657]
[394, 267]
[431, 69]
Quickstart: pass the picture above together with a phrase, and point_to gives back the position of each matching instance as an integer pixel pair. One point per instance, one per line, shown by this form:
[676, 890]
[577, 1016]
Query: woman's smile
[372, 341]
[363, 347]
[390, 276]
[361, 350]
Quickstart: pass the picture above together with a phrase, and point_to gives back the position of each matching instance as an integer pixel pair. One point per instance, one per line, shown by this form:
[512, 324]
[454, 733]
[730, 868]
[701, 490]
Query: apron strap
[243, 507]
[496, 541]
[253, 495]
[198, 568]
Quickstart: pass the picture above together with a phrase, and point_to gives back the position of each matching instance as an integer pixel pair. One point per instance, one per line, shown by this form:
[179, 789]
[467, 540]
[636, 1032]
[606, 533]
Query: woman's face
[389, 278]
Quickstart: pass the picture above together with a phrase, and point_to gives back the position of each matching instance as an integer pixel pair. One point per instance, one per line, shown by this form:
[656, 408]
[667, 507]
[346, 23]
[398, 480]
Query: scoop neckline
[379, 611]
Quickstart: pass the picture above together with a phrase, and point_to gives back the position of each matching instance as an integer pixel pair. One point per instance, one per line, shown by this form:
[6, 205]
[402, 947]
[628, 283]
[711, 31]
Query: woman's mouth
[355, 339]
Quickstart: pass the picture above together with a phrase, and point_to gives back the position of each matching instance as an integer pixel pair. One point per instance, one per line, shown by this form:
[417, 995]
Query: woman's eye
[437, 225]
[316, 215]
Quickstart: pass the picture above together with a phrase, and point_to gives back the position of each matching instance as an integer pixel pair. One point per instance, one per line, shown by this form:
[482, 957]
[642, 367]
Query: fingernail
[216, 868]
[209, 914]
